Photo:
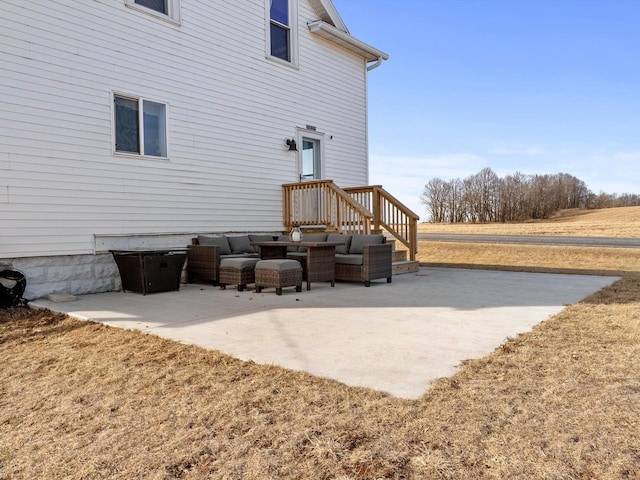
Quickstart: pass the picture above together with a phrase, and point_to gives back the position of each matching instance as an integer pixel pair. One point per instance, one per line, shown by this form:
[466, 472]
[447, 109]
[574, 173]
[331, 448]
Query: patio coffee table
[320, 259]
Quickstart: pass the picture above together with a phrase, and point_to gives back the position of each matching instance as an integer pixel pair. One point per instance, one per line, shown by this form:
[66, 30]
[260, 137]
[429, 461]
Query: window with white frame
[165, 9]
[140, 126]
[282, 23]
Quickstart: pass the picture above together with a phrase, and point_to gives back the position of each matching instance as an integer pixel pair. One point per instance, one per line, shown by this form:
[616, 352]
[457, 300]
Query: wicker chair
[376, 263]
[203, 262]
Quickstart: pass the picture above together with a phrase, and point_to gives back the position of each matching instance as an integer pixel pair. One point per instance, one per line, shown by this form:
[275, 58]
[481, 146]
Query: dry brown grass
[81, 400]
[542, 258]
[614, 222]
[610, 222]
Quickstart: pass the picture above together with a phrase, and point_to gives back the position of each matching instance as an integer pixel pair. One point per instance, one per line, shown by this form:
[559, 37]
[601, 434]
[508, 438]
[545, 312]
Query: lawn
[81, 400]
[613, 222]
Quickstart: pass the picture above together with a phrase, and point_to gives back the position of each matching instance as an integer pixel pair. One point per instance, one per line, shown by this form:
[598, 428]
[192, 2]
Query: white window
[164, 9]
[140, 126]
[282, 30]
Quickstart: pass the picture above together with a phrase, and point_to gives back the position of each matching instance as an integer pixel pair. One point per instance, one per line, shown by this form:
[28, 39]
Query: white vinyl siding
[231, 111]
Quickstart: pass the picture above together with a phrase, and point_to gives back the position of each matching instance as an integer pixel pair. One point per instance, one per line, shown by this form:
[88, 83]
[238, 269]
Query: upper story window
[140, 126]
[280, 30]
[164, 9]
[282, 15]
[157, 5]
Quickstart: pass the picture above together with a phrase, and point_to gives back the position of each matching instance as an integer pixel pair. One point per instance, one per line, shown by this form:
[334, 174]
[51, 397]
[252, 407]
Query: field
[80, 400]
[611, 222]
[614, 222]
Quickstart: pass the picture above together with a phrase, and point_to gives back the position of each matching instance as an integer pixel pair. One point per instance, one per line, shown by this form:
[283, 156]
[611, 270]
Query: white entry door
[310, 165]
[310, 159]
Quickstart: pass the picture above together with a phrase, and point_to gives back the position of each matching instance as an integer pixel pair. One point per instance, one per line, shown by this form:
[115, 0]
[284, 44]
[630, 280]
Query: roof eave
[331, 33]
[329, 14]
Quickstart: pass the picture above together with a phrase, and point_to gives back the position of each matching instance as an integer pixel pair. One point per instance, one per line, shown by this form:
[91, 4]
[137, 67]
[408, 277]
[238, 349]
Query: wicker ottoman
[237, 271]
[278, 273]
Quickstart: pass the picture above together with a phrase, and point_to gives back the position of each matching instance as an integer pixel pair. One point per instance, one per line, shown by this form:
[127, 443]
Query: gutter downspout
[376, 64]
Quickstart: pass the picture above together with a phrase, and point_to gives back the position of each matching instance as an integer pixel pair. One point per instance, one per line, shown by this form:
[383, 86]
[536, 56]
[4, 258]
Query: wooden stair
[365, 210]
[400, 265]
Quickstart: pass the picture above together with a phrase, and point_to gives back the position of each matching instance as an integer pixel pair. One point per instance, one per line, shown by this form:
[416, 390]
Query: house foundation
[72, 274]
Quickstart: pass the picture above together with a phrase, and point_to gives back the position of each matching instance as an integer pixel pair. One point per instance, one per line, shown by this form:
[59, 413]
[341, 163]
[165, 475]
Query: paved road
[532, 239]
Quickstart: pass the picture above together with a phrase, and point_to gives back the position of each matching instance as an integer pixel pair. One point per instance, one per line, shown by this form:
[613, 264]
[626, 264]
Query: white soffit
[345, 40]
[328, 13]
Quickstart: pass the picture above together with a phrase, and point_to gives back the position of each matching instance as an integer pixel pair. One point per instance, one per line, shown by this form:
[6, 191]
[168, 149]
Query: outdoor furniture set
[277, 262]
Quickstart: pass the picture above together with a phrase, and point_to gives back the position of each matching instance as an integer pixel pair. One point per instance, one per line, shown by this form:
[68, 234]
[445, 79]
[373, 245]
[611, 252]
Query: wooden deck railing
[323, 203]
[368, 209]
[390, 214]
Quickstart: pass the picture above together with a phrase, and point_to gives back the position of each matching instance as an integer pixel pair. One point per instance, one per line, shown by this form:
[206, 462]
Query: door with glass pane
[310, 160]
[311, 169]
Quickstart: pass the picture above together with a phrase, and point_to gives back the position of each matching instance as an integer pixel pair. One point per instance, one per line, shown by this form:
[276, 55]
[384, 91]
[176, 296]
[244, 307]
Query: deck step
[405, 266]
[399, 255]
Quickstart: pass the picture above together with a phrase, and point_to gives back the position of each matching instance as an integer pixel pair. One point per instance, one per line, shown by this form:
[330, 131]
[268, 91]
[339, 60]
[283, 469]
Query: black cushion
[220, 241]
[240, 244]
[260, 237]
[337, 237]
[359, 241]
[312, 237]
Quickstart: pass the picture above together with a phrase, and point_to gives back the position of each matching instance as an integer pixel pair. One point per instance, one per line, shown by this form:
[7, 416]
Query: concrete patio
[394, 337]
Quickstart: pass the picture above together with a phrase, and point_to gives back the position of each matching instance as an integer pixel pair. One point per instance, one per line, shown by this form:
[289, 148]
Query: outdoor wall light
[292, 145]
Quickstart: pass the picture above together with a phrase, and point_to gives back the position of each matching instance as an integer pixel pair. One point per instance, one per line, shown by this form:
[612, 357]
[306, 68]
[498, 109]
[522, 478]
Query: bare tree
[513, 198]
[455, 206]
[434, 198]
[485, 197]
[482, 192]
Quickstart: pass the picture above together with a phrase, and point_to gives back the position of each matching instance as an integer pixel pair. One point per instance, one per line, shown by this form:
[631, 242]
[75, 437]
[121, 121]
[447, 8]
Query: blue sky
[536, 86]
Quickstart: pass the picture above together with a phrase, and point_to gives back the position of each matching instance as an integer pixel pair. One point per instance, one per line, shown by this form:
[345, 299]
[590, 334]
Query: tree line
[485, 197]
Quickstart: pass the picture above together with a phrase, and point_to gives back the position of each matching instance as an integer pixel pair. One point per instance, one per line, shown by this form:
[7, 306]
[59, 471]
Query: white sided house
[141, 123]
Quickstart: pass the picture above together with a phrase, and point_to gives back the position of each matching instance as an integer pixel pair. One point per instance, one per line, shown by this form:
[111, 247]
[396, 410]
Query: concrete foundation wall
[75, 274]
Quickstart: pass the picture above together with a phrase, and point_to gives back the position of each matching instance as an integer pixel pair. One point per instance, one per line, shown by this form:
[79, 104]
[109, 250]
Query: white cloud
[627, 156]
[425, 167]
[522, 152]
[615, 172]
